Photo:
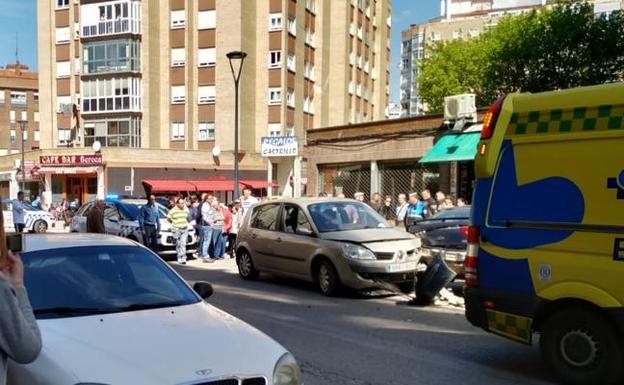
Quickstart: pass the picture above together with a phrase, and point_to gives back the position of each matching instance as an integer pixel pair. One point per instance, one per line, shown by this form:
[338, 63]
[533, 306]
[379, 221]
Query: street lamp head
[236, 55]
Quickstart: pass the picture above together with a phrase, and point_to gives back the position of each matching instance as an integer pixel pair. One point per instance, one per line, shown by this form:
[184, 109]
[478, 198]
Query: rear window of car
[459, 213]
[265, 217]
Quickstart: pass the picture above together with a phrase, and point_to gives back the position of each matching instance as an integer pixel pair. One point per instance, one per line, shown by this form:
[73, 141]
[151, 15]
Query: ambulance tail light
[472, 252]
[491, 117]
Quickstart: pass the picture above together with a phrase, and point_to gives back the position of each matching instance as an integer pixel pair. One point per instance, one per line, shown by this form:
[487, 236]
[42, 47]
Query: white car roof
[36, 242]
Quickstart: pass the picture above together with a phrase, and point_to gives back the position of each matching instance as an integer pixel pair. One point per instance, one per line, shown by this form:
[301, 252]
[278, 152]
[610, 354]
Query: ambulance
[545, 250]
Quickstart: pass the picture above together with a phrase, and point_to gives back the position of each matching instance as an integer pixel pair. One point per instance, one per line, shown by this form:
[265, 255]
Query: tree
[562, 46]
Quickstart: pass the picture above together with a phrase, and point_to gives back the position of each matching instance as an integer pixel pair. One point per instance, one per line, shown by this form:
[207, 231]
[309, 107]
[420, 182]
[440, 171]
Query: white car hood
[176, 345]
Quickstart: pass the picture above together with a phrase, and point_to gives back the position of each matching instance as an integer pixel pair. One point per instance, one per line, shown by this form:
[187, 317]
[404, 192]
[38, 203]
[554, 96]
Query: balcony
[112, 27]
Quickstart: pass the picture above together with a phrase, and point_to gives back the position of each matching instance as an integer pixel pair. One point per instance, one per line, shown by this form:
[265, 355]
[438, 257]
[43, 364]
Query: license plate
[398, 267]
[454, 257]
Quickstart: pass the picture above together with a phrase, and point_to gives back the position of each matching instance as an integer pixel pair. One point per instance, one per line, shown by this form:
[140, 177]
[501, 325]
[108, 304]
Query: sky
[20, 16]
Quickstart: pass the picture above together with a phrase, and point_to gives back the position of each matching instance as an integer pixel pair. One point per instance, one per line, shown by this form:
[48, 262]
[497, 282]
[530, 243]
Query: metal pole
[23, 166]
[236, 190]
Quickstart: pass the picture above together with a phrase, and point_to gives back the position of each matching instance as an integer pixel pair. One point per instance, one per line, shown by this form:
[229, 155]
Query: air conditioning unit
[459, 107]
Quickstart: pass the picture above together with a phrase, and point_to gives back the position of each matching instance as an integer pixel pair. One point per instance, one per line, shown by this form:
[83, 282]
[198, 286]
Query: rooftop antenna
[16, 50]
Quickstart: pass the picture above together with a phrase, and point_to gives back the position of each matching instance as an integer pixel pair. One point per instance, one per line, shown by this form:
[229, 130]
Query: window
[24, 116]
[36, 116]
[178, 19]
[35, 96]
[63, 103]
[206, 57]
[295, 221]
[37, 136]
[61, 4]
[76, 31]
[207, 19]
[275, 21]
[275, 59]
[12, 116]
[360, 32]
[113, 132]
[290, 98]
[275, 96]
[265, 217]
[275, 129]
[63, 69]
[351, 87]
[120, 55]
[114, 94]
[360, 5]
[292, 26]
[309, 37]
[310, 5]
[177, 131]
[474, 32]
[206, 131]
[62, 35]
[24, 135]
[290, 62]
[64, 135]
[206, 94]
[290, 130]
[436, 36]
[13, 136]
[306, 105]
[457, 34]
[18, 98]
[178, 57]
[178, 94]
[2, 96]
[308, 71]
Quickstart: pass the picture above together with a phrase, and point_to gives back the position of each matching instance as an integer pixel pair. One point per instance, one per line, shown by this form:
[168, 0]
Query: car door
[79, 221]
[7, 212]
[296, 242]
[112, 219]
[263, 234]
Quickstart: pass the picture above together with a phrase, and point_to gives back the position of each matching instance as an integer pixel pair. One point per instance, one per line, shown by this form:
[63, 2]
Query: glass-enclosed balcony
[111, 56]
[110, 18]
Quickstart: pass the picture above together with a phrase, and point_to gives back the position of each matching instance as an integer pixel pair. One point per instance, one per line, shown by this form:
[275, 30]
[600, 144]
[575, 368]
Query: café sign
[70, 160]
[275, 146]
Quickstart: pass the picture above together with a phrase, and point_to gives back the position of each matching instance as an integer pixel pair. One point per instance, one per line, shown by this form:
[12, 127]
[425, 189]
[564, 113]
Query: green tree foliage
[552, 48]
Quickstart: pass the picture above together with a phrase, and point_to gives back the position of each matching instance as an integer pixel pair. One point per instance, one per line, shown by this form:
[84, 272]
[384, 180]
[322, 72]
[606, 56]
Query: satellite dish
[96, 146]
[216, 151]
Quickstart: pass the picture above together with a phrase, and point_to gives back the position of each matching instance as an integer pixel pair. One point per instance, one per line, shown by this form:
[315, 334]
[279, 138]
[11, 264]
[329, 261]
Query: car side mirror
[306, 232]
[204, 289]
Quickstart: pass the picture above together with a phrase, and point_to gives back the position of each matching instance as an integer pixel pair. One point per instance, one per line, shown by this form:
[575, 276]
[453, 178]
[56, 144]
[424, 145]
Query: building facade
[153, 76]
[459, 19]
[19, 115]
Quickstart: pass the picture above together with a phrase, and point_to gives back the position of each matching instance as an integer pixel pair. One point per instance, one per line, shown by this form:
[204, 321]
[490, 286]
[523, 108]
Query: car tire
[327, 279]
[581, 347]
[246, 268]
[40, 227]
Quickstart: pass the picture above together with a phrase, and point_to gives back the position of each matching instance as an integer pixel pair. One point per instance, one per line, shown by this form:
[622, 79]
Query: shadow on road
[370, 325]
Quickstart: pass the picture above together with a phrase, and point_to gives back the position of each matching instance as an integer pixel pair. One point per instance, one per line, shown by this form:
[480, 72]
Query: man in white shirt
[401, 208]
[18, 212]
[248, 201]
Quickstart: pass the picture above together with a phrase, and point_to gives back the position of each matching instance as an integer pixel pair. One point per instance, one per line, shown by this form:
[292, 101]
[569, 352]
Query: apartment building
[19, 115]
[459, 19]
[153, 86]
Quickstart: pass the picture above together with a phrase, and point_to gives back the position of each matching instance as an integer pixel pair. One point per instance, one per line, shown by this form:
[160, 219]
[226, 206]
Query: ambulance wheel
[40, 226]
[581, 347]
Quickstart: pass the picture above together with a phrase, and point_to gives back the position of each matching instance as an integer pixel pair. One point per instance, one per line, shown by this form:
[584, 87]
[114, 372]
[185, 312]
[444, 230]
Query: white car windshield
[100, 279]
[344, 216]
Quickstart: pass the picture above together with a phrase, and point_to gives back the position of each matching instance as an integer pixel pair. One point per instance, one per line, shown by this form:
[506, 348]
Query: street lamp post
[22, 123]
[236, 56]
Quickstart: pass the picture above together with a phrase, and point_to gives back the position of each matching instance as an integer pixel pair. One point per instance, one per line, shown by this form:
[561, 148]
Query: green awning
[453, 148]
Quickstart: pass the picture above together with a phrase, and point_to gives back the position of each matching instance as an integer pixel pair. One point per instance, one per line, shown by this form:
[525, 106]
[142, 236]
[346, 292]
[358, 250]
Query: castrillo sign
[70, 160]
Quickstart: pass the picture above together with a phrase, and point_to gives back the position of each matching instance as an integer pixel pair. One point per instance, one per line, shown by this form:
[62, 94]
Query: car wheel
[406, 287]
[40, 226]
[582, 347]
[246, 267]
[327, 279]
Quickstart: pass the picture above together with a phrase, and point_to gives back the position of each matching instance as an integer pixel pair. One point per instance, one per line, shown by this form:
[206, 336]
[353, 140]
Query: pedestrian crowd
[408, 208]
[215, 223]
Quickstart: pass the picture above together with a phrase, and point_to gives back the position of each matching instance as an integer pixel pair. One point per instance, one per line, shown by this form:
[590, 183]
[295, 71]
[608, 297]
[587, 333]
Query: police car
[121, 219]
[35, 220]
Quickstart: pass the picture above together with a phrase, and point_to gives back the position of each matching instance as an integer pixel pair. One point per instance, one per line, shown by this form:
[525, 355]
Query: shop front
[72, 177]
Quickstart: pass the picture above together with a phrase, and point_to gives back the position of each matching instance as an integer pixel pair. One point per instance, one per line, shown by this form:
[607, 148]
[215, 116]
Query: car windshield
[100, 279]
[162, 210]
[344, 216]
[457, 213]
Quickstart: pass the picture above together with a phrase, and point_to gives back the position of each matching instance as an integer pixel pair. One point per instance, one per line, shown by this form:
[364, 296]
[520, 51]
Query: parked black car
[445, 234]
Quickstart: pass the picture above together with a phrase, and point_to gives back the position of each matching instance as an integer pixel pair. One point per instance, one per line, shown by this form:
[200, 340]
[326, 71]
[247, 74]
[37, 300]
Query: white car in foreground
[111, 312]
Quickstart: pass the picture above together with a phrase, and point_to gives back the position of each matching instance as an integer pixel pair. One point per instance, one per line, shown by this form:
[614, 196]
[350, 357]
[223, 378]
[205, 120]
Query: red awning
[258, 184]
[216, 185]
[159, 186]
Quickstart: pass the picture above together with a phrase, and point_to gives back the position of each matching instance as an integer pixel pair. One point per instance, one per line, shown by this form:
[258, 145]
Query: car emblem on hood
[203, 372]
[400, 255]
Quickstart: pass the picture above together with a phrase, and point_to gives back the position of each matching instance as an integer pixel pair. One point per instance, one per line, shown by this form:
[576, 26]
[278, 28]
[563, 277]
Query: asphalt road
[368, 339]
